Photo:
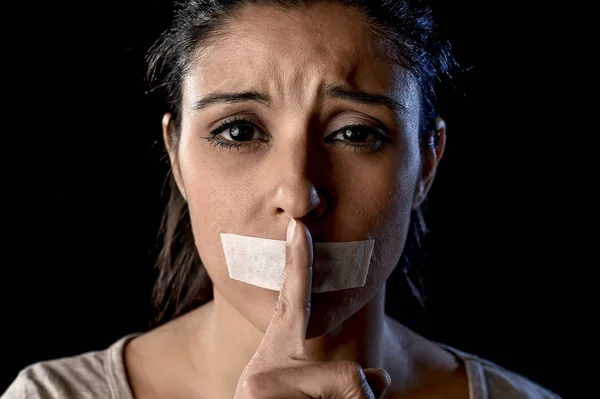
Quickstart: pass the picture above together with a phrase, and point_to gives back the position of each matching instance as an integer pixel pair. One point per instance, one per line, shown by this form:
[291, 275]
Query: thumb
[379, 380]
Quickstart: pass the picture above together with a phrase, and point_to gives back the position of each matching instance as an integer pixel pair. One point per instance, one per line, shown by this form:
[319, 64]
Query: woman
[303, 121]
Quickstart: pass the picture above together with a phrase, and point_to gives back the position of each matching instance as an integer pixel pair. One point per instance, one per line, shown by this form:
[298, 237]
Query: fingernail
[291, 230]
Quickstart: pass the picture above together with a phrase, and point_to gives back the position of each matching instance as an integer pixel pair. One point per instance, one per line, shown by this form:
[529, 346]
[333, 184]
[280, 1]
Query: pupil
[240, 132]
[355, 135]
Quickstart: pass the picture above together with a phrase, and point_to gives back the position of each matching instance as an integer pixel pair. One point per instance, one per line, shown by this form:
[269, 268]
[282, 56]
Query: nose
[296, 191]
[298, 197]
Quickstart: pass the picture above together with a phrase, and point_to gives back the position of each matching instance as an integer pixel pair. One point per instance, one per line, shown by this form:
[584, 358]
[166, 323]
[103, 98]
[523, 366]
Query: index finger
[286, 333]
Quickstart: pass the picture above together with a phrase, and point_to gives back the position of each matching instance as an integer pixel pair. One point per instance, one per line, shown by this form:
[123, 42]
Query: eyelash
[383, 137]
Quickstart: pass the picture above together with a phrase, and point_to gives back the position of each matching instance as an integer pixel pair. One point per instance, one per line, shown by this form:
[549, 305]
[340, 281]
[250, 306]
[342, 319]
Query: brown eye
[355, 134]
[360, 138]
[236, 131]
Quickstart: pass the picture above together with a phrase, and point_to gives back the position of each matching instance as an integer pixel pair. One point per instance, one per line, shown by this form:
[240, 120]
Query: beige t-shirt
[102, 374]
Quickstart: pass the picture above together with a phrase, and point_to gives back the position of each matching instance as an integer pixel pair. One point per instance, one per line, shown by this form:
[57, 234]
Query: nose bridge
[295, 154]
[296, 191]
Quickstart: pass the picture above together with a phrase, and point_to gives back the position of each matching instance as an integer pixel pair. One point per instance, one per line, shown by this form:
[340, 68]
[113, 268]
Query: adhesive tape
[261, 262]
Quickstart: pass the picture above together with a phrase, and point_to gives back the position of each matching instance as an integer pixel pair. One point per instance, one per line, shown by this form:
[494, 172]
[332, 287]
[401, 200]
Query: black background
[83, 178]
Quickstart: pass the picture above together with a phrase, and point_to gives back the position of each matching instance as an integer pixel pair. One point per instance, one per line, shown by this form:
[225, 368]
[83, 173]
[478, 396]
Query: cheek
[220, 189]
[222, 198]
[383, 202]
[218, 197]
[374, 195]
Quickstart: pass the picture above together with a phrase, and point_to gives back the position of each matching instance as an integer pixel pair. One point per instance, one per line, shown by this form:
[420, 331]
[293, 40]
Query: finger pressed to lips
[286, 333]
[280, 368]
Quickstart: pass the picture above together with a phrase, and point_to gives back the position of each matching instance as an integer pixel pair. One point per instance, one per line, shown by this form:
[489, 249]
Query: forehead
[294, 50]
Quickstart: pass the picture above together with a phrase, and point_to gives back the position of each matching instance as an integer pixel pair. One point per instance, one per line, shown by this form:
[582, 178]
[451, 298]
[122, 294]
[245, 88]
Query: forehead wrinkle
[285, 70]
[249, 20]
[294, 29]
[295, 25]
[284, 87]
[291, 75]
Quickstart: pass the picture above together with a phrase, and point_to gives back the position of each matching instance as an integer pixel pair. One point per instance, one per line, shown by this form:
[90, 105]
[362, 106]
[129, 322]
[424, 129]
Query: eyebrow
[340, 92]
[230, 98]
[362, 97]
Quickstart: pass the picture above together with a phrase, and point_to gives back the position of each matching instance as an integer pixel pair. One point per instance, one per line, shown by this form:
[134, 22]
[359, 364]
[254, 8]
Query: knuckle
[282, 309]
[349, 371]
[352, 379]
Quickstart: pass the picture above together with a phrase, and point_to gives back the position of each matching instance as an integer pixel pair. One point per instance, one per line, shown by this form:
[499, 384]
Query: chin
[330, 309]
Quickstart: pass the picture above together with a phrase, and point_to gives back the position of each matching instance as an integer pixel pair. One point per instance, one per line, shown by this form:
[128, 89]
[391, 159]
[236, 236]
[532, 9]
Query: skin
[290, 171]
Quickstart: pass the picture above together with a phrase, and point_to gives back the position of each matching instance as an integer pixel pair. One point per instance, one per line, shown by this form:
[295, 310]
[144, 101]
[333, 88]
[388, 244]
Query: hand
[279, 368]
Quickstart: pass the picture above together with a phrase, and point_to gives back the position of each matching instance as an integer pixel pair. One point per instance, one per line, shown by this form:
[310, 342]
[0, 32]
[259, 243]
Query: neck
[231, 340]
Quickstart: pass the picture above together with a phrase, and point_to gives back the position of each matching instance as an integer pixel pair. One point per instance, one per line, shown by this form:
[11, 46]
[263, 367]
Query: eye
[235, 134]
[237, 130]
[238, 133]
[357, 133]
[362, 138]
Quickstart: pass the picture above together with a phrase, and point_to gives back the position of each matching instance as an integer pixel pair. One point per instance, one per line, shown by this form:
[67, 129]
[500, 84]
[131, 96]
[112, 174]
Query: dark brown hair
[407, 29]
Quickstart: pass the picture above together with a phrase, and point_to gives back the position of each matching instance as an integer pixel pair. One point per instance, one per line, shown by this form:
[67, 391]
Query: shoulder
[79, 376]
[97, 374]
[489, 380]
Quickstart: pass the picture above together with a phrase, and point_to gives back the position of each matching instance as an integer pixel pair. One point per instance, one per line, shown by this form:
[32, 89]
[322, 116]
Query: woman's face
[293, 151]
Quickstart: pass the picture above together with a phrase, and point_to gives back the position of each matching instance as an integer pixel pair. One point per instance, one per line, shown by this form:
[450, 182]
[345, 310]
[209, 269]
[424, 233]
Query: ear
[168, 126]
[435, 146]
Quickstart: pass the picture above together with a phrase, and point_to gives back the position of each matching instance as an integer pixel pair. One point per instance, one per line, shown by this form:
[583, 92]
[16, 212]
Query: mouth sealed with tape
[261, 262]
